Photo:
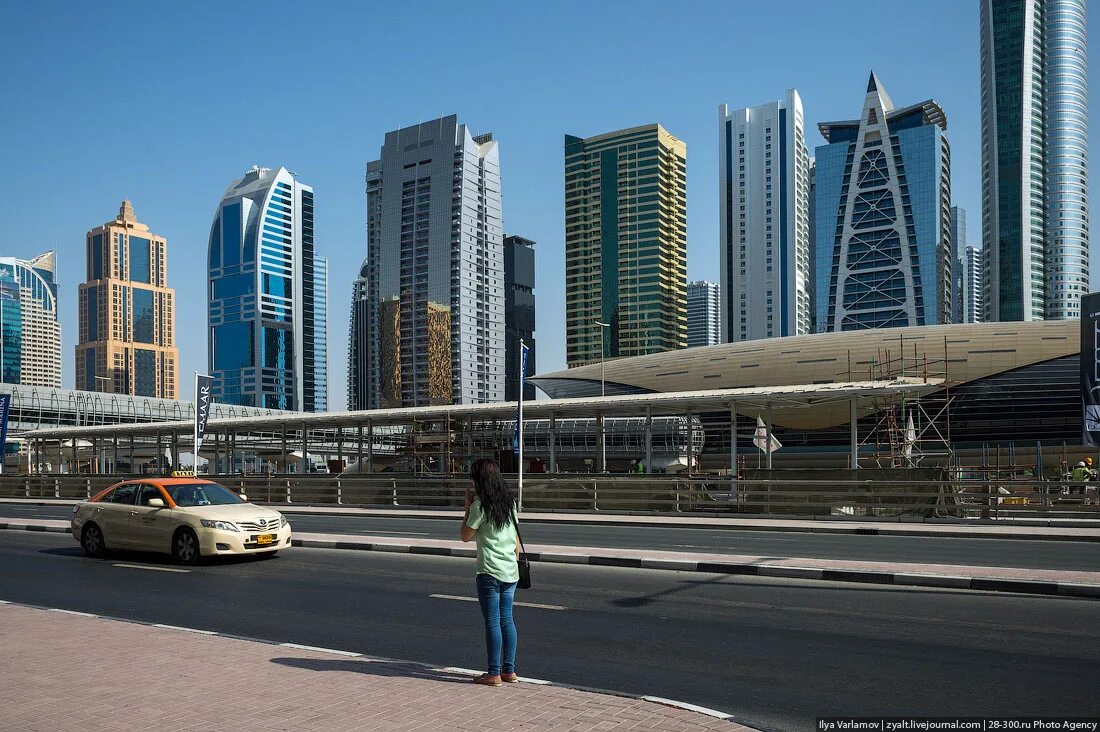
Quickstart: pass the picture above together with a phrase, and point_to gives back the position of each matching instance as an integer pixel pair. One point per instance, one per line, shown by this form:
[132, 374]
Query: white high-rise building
[1034, 80]
[764, 220]
[434, 273]
[972, 285]
[704, 321]
[30, 333]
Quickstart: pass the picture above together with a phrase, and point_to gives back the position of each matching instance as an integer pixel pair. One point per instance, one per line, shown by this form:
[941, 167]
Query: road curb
[24, 526]
[901, 579]
[706, 711]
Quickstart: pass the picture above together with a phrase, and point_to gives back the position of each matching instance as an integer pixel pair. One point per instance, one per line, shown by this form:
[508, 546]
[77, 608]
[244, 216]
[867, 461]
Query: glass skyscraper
[519, 313]
[958, 273]
[704, 321]
[883, 198]
[428, 314]
[359, 341]
[763, 220]
[1034, 81]
[30, 333]
[625, 244]
[267, 290]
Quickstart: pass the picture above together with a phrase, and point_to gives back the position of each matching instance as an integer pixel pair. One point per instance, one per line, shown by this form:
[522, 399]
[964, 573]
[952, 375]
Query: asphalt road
[929, 550]
[777, 653]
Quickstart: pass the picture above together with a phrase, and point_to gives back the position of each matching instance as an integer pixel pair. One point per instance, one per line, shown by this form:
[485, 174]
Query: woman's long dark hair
[493, 493]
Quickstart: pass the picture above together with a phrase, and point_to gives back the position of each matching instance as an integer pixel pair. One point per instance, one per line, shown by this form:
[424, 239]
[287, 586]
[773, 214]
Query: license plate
[265, 538]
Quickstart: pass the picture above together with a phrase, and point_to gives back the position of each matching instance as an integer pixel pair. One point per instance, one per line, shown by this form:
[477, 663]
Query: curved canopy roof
[953, 353]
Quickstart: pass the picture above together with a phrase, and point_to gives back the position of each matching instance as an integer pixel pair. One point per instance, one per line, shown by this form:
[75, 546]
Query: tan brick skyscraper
[127, 313]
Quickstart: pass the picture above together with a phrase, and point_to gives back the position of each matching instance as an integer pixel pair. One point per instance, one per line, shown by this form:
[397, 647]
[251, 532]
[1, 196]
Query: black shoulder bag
[524, 562]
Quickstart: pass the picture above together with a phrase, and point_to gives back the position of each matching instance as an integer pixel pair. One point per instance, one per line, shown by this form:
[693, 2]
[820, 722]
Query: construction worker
[1080, 475]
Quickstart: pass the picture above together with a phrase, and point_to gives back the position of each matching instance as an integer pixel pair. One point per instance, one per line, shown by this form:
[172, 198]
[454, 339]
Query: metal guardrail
[657, 494]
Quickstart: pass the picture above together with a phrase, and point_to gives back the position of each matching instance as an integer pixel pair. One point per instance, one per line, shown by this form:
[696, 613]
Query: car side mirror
[155, 503]
[243, 497]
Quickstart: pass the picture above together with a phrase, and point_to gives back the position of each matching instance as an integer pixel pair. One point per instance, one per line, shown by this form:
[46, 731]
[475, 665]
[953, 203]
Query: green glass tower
[625, 244]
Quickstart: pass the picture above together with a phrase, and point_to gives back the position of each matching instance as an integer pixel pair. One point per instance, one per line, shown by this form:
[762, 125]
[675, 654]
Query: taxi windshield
[201, 494]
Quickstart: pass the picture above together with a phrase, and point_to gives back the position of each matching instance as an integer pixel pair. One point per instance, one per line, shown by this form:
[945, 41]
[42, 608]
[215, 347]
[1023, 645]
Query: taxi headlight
[282, 521]
[223, 525]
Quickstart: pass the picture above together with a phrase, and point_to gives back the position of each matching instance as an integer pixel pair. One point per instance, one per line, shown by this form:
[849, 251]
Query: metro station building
[999, 383]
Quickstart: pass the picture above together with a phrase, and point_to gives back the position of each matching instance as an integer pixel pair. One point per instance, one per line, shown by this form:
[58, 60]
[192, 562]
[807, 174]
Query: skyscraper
[1034, 157]
[972, 286]
[127, 312]
[883, 217]
[958, 272]
[625, 244]
[359, 341]
[519, 313]
[763, 220]
[704, 321]
[267, 308]
[30, 333]
[434, 275]
[811, 241]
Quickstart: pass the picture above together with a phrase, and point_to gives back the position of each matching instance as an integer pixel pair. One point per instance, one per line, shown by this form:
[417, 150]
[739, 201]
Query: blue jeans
[495, 598]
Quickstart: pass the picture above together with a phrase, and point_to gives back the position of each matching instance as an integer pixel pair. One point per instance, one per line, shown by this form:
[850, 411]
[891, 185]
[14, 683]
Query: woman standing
[490, 518]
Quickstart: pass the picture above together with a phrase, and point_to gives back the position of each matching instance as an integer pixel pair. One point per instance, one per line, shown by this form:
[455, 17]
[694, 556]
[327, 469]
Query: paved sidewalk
[1072, 583]
[68, 671]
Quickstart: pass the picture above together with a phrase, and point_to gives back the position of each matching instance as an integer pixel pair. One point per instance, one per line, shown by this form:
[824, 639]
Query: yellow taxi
[186, 517]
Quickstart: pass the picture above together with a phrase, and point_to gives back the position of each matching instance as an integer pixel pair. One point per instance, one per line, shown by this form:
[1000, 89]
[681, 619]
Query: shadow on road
[154, 558]
[683, 586]
[374, 667]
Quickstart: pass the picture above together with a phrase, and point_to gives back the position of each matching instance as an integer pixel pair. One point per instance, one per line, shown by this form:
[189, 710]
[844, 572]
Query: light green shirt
[496, 548]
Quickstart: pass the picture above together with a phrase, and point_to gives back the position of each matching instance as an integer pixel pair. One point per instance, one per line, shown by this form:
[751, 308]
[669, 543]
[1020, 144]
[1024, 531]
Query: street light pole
[603, 392]
[95, 456]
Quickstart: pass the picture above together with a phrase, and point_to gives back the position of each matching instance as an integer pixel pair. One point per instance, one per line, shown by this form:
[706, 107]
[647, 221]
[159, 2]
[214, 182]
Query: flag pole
[519, 417]
[195, 432]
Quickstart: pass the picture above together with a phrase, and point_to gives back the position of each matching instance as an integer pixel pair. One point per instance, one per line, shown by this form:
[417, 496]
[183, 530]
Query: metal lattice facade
[883, 218]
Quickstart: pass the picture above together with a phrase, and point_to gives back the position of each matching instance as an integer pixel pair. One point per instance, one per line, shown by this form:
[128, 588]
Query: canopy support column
[648, 440]
[768, 435]
[854, 422]
[359, 449]
[370, 447]
[553, 437]
[602, 466]
[305, 448]
[733, 451]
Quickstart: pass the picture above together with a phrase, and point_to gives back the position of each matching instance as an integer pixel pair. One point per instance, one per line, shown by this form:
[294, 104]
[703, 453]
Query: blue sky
[167, 103]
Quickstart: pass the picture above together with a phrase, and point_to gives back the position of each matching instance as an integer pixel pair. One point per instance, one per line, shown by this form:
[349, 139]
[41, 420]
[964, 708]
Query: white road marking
[400, 533]
[186, 630]
[155, 569]
[301, 647]
[684, 705]
[538, 605]
[72, 612]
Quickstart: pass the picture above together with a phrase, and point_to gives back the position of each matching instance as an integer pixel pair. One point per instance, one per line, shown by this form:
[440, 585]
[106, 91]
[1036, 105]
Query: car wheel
[185, 547]
[92, 541]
